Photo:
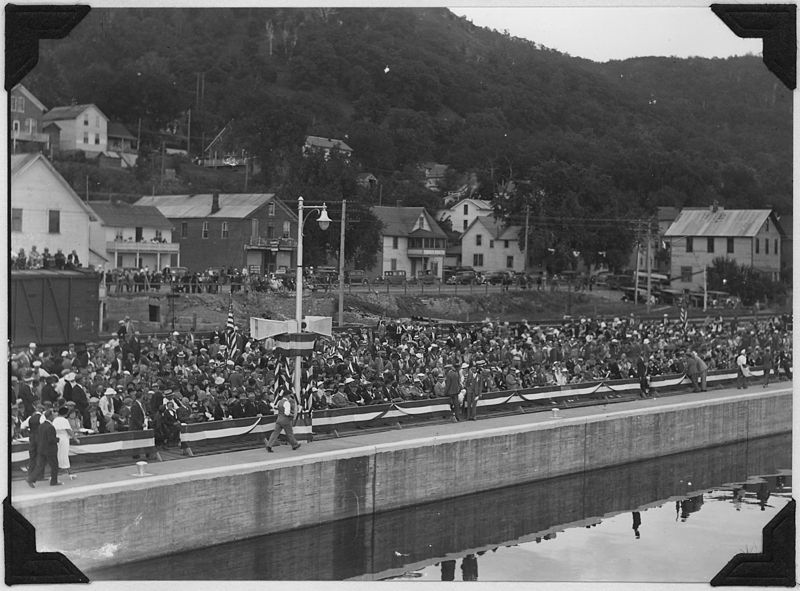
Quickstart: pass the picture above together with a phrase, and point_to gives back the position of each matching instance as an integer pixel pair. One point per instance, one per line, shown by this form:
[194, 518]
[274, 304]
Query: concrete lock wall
[120, 522]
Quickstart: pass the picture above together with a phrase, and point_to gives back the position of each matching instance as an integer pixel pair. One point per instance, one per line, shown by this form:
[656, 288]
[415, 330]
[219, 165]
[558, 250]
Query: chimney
[715, 206]
[215, 202]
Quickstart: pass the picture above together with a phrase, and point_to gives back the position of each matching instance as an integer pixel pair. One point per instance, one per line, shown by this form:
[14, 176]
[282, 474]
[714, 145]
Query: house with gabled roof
[326, 146]
[463, 213]
[122, 145]
[750, 237]
[45, 211]
[411, 241]
[489, 245]
[26, 122]
[434, 174]
[253, 230]
[133, 236]
[77, 127]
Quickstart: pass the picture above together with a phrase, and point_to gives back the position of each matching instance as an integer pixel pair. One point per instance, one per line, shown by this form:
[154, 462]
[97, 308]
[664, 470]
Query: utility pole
[527, 220]
[189, 137]
[163, 161]
[139, 138]
[341, 264]
[636, 271]
[649, 269]
[246, 171]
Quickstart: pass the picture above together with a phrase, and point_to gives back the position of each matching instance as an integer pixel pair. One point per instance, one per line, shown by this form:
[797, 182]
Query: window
[16, 219]
[686, 274]
[466, 209]
[271, 209]
[776, 246]
[478, 239]
[710, 241]
[491, 243]
[159, 236]
[15, 125]
[118, 235]
[30, 125]
[17, 104]
[97, 120]
[86, 120]
[97, 139]
[509, 262]
[767, 225]
[184, 229]
[757, 241]
[477, 260]
[394, 244]
[85, 138]
[54, 221]
[139, 233]
[766, 245]
[224, 230]
[393, 263]
[205, 230]
[287, 227]
[465, 225]
[270, 231]
[689, 244]
[730, 245]
[253, 229]
[505, 243]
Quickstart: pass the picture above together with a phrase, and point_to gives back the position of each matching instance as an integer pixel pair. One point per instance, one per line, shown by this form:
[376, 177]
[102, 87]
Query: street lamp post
[323, 221]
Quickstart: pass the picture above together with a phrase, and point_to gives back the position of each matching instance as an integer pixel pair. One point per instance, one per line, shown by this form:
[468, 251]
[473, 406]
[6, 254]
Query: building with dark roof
[326, 145]
[750, 237]
[77, 127]
[253, 230]
[133, 236]
[26, 122]
[411, 241]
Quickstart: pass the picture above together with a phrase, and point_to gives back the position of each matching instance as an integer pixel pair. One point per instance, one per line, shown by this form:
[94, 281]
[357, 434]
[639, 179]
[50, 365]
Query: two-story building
[45, 211]
[253, 230]
[122, 145]
[133, 236]
[434, 175]
[463, 213]
[488, 245]
[26, 113]
[77, 127]
[411, 241]
[750, 237]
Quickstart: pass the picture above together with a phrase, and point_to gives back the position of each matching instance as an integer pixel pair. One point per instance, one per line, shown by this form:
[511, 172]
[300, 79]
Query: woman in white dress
[64, 433]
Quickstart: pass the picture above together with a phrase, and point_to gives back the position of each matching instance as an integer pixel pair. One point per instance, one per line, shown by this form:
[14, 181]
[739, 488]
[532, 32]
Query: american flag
[232, 337]
[684, 318]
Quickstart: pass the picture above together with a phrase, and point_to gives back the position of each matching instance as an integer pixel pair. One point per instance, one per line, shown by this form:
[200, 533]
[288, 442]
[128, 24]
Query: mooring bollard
[555, 413]
[140, 466]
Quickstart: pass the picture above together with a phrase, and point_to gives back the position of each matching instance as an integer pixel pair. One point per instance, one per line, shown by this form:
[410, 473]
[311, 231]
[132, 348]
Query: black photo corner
[774, 23]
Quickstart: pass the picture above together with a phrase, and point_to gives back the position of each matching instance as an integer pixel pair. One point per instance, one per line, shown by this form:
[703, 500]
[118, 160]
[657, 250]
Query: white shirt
[107, 406]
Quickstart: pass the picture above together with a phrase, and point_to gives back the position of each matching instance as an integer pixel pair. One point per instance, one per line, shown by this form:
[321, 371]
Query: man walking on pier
[451, 390]
[741, 370]
[286, 412]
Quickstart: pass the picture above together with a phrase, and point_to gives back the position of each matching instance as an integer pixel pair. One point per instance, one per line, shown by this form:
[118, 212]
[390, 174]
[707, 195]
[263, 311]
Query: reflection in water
[428, 541]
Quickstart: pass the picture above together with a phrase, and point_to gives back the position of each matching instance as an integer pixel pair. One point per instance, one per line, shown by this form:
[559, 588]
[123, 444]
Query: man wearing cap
[80, 398]
[286, 411]
[474, 387]
[742, 370]
[31, 424]
[106, 406]
[452, 388]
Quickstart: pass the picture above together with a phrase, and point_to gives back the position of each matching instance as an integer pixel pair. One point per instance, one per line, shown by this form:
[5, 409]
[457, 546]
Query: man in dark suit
[138, 414]
[32, 425]
[641, 373]
[46, 452]
[451, 389]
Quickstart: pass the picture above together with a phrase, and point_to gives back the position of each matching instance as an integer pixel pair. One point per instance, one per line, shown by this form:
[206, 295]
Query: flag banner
[232, 337]
[299, 343]
[262, 328]
[99, 443]
[684, 318]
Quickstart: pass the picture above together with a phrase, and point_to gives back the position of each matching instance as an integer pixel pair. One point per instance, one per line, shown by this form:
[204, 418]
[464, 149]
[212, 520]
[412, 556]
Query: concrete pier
[113, 516]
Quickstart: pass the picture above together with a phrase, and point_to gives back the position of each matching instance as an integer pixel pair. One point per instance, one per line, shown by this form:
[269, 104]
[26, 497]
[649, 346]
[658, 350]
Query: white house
[488, 245]
[77, 127]
[326, 145]
[134, 236]
[463, 213]
[45, 211]
[751, 237]
[411, 241]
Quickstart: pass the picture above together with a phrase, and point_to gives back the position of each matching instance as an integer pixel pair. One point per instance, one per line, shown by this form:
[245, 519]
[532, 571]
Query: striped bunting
[294, 344]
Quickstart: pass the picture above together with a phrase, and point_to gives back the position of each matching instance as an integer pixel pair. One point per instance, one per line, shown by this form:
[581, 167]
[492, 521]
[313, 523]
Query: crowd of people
[34, 259]
[136, 381]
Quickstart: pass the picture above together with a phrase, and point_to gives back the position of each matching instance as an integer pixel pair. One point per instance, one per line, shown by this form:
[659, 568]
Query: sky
[602, 33]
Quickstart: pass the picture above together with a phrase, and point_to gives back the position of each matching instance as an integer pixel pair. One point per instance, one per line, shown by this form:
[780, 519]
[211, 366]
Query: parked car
[355, 277]
[464, 278]
[394, 277]
[499, 277]
[424, 278]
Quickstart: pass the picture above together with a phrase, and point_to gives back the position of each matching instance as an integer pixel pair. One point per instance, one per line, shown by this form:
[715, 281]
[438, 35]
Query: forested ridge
[558, 134]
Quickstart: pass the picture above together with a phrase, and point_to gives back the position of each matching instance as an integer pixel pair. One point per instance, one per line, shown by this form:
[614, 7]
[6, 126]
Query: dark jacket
[47, 440]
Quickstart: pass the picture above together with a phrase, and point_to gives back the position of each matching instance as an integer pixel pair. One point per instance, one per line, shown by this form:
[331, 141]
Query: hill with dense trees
[565, 137]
